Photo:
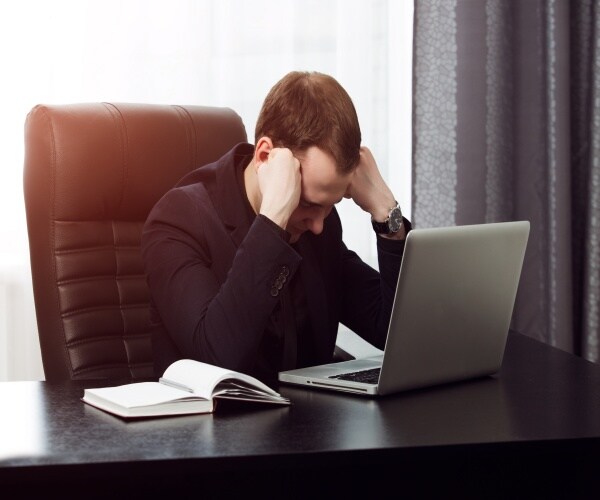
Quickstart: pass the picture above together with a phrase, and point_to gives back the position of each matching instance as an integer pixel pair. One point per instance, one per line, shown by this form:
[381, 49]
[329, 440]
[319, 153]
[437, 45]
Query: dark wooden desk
[535, 428]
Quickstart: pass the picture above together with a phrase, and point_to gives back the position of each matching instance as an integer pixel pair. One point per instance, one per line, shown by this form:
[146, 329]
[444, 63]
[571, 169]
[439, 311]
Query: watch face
[395, 220]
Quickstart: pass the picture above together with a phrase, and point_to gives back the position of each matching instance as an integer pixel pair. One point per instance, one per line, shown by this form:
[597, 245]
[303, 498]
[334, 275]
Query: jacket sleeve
[215, 311]
[369, 295]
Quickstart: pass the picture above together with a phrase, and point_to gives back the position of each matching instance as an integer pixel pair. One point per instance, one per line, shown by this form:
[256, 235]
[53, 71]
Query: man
[244, 257]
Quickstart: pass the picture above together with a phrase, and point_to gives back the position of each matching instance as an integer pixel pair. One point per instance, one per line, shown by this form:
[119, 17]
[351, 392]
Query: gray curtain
[506, 124]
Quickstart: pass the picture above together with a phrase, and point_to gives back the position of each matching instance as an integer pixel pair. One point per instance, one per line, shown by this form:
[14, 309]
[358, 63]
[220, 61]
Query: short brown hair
[306, 109]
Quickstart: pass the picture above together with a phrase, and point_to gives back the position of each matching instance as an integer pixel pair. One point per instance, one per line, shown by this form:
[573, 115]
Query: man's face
[322, 187]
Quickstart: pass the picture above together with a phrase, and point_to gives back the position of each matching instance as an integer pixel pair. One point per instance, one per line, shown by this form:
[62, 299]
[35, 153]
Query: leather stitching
[123, 141]
[101, 277]
[121, 307]
[190, 135]
[53, 231]
[91, 340]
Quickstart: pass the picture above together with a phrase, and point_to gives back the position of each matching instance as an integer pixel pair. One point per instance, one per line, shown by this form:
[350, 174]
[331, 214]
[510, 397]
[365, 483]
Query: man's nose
[315, 225]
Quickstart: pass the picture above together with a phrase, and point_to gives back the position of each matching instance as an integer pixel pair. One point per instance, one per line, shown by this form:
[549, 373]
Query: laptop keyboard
[364, 376]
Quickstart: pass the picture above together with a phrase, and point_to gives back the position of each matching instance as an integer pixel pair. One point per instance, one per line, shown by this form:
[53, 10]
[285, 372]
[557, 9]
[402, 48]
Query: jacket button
[274, 292]
[285, 271]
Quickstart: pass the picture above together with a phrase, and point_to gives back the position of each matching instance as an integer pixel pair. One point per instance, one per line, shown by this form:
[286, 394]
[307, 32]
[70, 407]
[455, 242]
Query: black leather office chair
[92, 174]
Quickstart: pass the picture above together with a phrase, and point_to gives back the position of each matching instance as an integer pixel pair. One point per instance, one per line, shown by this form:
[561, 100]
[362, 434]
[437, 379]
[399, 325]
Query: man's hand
[370, 192]
[279, 184]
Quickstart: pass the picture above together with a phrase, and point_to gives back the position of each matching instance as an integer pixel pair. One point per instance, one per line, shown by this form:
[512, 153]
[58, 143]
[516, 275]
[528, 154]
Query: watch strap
[389, 225]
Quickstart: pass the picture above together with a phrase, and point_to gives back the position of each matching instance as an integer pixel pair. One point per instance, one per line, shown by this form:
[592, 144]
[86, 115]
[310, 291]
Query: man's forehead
[324, 191]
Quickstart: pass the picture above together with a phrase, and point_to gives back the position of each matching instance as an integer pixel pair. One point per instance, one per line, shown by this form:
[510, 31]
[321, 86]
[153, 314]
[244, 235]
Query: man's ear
[261, 152]
[348, 193]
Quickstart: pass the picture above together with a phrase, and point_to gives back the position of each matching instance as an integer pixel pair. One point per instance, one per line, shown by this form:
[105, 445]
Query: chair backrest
[92, 174]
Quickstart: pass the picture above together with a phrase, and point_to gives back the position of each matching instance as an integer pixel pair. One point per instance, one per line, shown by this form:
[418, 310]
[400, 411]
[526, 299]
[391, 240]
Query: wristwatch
[392, 224]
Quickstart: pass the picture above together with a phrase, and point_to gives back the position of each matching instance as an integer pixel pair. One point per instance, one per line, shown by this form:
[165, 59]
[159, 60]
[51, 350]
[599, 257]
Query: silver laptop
[451, 314]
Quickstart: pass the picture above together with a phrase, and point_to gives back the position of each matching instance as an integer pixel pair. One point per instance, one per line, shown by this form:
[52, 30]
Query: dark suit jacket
[213, 275]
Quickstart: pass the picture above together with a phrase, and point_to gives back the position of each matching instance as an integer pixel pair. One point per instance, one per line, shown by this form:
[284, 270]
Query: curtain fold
[585, 152]
[513, 134]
